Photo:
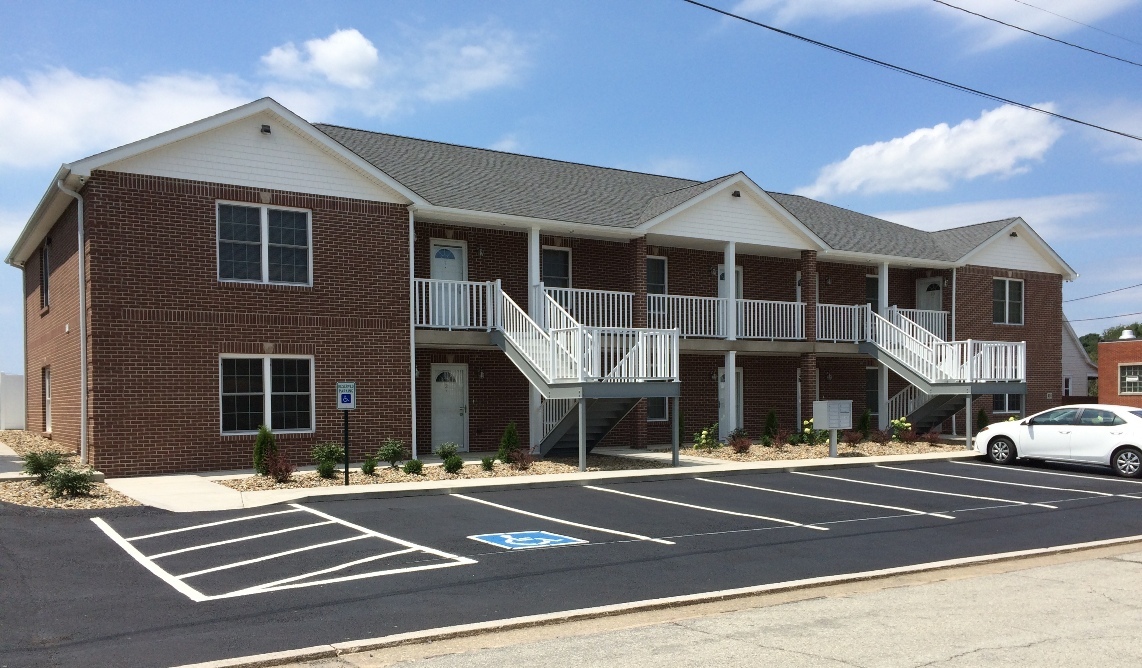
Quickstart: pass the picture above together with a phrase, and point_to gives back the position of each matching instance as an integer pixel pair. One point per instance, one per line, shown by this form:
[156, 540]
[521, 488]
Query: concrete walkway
[10, 462]
[199, 492]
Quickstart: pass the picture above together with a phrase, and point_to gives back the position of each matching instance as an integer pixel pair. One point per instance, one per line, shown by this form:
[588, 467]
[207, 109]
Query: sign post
[833, 415]
[346, 401]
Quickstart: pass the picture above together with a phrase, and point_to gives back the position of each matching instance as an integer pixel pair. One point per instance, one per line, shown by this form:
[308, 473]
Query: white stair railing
[595, 308]
[631, 355]
[692, 316]
[555, 360]
[841, 323]
[934, 322]
[554, 410]
[905, 401]
[760, 319]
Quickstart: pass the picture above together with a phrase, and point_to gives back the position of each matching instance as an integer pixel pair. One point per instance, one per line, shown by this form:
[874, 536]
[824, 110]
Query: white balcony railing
[691, 316]
[758, 319]
[841, 323]
[935, 322]
[595, 308]
[454, 304]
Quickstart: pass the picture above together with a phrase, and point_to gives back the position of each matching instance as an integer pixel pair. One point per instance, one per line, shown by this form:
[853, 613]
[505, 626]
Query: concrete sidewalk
[199, 492]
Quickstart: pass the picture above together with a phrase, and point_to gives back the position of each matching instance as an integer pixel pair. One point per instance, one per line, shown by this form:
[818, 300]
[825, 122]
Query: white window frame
[874, 411]
[666, 418]
[665, 271]
[45, 273]
[879, 306]
[570, 266]
[435, 242]
[1121, 377]
[267, 394]
[1066, 386]
[46, 395]
[264, 242]
[1007, 302]
[1007, 405]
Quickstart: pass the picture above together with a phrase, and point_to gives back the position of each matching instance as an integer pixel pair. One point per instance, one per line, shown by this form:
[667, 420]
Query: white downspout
[535, 310]
[82, 254]
[882, 376]
[953, 303]
[412, 318]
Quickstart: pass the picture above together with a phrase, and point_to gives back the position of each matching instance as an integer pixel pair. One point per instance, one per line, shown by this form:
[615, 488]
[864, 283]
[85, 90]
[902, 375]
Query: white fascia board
[51, 206]
[1020, 225]
[742, 181]
[471, 217]
[892, 260]
[85, 166]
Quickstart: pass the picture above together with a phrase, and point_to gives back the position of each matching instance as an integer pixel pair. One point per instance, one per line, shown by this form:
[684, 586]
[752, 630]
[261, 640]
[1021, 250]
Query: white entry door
[450, 405]
[930, 294]
[722, 405]
[449, 301]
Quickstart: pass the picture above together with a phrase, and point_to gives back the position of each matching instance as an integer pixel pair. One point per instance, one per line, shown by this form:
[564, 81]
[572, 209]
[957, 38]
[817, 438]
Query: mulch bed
[761, 453]
[35, 494]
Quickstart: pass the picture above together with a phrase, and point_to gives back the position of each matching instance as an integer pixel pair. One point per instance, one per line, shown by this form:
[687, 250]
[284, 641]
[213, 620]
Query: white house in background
[11, 401]
[1078, 368]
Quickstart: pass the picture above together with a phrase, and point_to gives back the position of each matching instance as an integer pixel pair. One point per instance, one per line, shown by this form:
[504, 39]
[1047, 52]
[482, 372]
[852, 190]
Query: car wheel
[1127, 462]
[1001, 450]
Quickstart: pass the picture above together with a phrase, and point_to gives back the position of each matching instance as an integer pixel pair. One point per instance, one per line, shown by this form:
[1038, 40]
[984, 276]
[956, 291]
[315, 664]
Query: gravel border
[761, 453]
[36, 495]
[24, 442]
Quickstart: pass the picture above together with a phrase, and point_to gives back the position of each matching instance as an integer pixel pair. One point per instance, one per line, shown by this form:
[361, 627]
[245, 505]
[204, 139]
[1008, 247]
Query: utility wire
[1108, 317]
[1078, 299]
[1037, 34]
[1067, 18]
[913, 73]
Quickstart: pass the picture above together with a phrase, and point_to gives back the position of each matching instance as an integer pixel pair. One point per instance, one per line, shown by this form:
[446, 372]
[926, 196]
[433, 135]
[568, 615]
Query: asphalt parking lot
[147, 588]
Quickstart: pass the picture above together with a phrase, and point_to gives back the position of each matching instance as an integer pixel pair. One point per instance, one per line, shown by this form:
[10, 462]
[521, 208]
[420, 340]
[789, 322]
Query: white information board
[833, 414]
[346, 396]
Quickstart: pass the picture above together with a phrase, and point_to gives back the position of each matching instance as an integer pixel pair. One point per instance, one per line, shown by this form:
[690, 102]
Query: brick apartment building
[1120, 371]
[238, 267]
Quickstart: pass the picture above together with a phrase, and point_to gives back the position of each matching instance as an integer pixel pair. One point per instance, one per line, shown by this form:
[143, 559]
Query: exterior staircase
[603, 415]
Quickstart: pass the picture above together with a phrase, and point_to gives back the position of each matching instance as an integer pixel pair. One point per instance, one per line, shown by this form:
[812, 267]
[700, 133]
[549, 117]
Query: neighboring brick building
[236, 268]
[1120, 371]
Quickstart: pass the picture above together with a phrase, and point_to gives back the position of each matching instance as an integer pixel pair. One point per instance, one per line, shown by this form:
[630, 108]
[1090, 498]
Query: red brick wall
[52, 334]
[1110, 355]
[160, 319]
[492, 254]
[843, 283]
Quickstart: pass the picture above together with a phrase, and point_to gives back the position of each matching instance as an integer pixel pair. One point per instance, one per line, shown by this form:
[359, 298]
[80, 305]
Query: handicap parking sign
[522, 540]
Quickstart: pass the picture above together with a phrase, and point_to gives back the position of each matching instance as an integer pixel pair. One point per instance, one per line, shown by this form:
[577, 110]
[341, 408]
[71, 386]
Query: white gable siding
[1076, 364]
[726, 218]
[1008, 252]
[240, 154]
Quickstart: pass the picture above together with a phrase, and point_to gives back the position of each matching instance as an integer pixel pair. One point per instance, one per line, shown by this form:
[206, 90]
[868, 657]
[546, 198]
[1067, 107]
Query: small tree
[981, 420]
[509, 443]
[264, 444]
[771, 424]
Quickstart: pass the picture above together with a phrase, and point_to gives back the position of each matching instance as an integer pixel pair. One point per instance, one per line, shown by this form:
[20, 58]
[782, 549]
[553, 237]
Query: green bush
[369, 466]
[707, 439]
[509, 443]
[327, 468]
[864, 426]
[981, 421]
[446, 450]
[42, 463]
[73, 482]
[453, 464]
[328, 451]
[413, 467]
[264, 444]
[771, 425]
[488, 463]
[392, 452]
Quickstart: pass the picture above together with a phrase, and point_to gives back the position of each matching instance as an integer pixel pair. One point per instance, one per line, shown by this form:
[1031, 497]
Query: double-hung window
[1007, 301]
[254, 388]
[1007, 403]
[556, 267]
[656, 285]
[1130, 379]
[260, 244]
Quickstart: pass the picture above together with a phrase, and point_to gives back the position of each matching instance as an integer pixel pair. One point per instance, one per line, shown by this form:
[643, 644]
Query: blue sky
[656, 86]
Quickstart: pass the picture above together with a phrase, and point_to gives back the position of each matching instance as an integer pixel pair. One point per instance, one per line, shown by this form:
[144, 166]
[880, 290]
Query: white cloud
[508, 143]
[463, 61]
[57, 115]
[1001, 142]
[1053, 216]
[345, 58]
[1122, 115]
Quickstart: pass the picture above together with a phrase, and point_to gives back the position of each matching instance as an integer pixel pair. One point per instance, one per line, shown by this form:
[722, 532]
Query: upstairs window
[45, 271]
[656, 275]
[1007, 301]
[258, 244]
[556, 267]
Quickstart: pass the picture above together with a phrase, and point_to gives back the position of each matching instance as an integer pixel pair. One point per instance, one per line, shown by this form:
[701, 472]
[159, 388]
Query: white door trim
[435, 243]
[434, 370]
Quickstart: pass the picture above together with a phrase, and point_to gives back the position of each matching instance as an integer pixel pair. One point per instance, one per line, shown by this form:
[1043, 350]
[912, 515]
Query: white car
[1085, 433]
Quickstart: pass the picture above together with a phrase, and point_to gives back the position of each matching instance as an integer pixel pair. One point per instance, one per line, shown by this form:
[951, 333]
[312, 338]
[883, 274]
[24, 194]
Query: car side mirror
[1027, 422]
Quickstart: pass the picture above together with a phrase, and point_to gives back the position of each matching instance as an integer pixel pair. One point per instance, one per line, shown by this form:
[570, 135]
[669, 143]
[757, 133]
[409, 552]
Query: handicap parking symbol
[523, 540]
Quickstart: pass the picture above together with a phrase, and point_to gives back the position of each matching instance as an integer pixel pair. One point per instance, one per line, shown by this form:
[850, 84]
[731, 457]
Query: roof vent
[1013, 234]
[266, 129]
[1127, 335]
[736, 193]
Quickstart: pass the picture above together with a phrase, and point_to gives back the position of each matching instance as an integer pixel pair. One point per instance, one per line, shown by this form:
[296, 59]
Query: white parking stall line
[180, 586]
[347, 578]
[267, 586]
[1092, 478]
[827, 498]
[926, 491]
[214, 524]
[562, 521]
[996, 482]
[391, 539]
[275, 555]
[236, 540]
[708, 509]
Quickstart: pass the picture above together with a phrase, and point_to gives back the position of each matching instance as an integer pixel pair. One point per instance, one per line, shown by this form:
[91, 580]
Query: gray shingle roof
[478, 179]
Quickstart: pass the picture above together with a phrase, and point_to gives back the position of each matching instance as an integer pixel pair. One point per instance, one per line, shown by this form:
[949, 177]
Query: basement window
[1007, 403]
[253, 387]
[656, 410]
[259, 244]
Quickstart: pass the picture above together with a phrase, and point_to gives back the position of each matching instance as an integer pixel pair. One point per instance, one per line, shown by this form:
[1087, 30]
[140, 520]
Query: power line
[1077, 299]
[1067, 18]
[1037, 34]
[913, 73]
[1108, 317]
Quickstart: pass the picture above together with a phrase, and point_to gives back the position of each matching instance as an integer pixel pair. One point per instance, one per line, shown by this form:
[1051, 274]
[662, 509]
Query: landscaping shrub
[909, 435]
[771, 425]
[446, 450]
[864, 426]
[488, 463]
[42, 463]
[453, 464]
[707, 439]
[326, 469]
[852, 438]
[278, 467]
[881, 436]
[522, 459]
[392, 451]
[932, 437]
[264, 444]
[328, 451]
[739, 440]
[901, 427]
[369, 466]
[766, 441]
[785, 437]
[509, 443]
[413, 467]
[69, 481]
[981, 421]
[811, 436]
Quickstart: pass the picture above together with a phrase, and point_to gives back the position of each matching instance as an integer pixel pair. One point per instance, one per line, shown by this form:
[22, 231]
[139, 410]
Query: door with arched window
[449, 296]
[450, 405]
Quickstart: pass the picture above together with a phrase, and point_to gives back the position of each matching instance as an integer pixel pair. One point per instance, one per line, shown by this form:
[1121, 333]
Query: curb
[595, 478]
[96, 476]
[332, 650]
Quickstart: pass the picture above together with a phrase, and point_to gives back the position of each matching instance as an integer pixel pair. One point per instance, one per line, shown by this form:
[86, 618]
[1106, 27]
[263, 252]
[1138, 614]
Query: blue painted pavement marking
[523, 540]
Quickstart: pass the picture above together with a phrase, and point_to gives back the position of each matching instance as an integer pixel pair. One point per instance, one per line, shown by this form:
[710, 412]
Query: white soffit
[1026, 251]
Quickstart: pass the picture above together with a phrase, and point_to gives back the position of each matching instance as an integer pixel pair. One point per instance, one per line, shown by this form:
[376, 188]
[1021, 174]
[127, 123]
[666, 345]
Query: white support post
[730, 265]
[412, 323]
[882, 289]
[882, 396]
[882, 385]
[675, 437]
[967, 424]
[953, 337]
[729, 420]
[582, 435]
[535, 310]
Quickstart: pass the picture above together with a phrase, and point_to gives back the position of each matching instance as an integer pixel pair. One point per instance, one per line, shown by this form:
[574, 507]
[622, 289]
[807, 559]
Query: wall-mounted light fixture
[266, 129]
[714, 271]
[828, 281]
[480, 253]
[828, 376]
[480, 374]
